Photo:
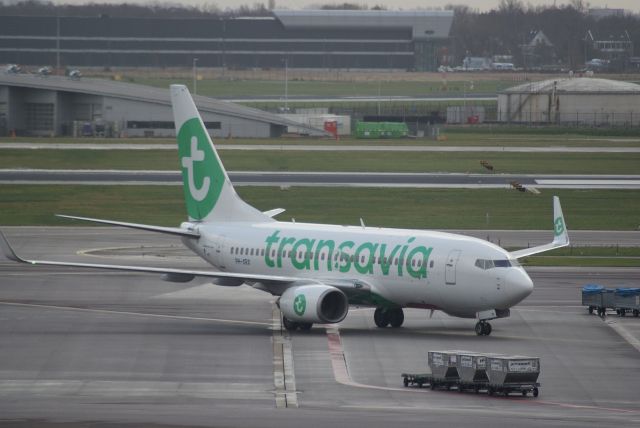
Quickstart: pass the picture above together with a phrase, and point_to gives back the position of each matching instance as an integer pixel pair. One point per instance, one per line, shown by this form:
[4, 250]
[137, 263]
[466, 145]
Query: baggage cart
[599, 298]
[591, 296]
[419, 380]
[627, 300]
[472, 370]
[444, 369]
[516, 373]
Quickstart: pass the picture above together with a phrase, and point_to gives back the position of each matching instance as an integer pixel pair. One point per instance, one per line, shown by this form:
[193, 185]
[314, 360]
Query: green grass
[609, 256]
[326, 88]
[459, 136]
[385, 207]
[278, 160]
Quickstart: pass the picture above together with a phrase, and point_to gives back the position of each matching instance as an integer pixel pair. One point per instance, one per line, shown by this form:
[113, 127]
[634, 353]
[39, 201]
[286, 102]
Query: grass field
[405, 208]
[486, 135]
[282, 160]
[327, 88]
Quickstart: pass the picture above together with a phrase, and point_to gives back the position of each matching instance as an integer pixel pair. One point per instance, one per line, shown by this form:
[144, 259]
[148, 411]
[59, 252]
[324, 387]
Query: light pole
[286, 84]
[195, 76]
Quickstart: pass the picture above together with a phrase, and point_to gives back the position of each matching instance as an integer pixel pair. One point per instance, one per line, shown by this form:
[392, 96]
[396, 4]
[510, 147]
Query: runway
[81, 347]
[339, 179]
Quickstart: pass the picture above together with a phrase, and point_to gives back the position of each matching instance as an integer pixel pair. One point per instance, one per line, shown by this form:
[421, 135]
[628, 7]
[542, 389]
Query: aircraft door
[218, 252]
[450, 267]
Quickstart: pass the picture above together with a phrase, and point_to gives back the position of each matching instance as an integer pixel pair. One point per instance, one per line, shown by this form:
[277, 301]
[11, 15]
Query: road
[84, 348]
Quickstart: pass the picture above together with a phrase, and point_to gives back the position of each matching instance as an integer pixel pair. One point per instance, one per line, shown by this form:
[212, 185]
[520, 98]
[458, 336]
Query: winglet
[8, 250]
[560, 235]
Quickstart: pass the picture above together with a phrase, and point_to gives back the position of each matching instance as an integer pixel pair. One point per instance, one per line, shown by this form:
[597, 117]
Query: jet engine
[314, 303]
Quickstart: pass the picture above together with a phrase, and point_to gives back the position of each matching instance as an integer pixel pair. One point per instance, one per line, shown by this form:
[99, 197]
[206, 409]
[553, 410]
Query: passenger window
[431, 264]
[242, 251]
[395, 261]
[262, 252]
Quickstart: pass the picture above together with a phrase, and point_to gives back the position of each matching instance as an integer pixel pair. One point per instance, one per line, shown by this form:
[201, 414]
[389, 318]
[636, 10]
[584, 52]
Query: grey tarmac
[83, 348]
[328, 179]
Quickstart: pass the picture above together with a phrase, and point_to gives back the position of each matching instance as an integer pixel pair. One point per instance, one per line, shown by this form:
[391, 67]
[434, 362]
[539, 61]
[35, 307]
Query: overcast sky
[632, 5]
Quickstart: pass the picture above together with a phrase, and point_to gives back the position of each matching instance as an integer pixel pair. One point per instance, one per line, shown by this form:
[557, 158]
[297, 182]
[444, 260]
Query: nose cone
[519, 285]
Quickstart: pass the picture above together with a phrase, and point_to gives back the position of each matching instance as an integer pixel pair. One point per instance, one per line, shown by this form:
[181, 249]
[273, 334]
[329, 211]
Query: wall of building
[244, 43]
[586, 108]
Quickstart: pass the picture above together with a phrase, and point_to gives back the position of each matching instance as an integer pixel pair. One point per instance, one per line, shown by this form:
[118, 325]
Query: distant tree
[343, 6]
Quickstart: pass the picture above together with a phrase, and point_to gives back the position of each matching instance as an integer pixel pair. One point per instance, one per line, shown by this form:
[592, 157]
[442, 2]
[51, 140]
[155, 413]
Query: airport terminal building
[331, 39]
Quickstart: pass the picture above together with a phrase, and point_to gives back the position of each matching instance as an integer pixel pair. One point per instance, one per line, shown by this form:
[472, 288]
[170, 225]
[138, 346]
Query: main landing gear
[483, 328]
[293, 326]
[384, 317]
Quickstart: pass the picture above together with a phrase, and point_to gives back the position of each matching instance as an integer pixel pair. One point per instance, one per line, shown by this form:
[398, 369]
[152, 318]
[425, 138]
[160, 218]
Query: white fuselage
[457, 274]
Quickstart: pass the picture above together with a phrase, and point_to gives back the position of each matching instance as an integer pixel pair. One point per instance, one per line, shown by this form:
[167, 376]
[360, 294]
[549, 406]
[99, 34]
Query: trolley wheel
[524, 393]
[535, 392]
[406, 382]
[590, 309]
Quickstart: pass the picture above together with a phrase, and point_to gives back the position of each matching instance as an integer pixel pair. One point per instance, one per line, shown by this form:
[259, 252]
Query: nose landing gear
[384, 317]
[483, 328]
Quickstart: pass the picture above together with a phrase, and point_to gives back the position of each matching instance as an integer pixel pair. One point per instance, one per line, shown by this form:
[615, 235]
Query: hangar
[582, 100]
[53, 106]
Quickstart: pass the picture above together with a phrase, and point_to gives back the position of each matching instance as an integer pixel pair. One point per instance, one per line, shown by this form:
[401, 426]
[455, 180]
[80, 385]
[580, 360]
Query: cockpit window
[490, 264]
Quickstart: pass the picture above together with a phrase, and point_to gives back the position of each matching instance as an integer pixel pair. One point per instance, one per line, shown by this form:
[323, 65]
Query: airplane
[317, 271]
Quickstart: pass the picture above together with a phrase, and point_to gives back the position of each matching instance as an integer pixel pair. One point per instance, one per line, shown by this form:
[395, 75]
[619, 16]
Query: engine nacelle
[314, 303]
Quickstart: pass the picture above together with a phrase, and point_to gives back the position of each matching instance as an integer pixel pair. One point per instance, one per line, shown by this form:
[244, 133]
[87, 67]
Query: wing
[274, 284]
[560, 234]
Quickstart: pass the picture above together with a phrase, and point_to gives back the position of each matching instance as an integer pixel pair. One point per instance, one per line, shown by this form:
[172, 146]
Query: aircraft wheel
[483, 328]
[381, 317]
[487, 329]
[479, 328]
[396, 317]
[288, 324]
[305, 326]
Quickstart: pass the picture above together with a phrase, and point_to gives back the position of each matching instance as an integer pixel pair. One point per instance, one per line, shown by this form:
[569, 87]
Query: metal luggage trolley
[472, 369]
[444, 369]
[516, 373]
[598, 297]
[627, 299]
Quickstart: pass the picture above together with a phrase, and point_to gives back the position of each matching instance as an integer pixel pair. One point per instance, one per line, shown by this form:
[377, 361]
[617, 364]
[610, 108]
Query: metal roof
[424, 24]
[135, 92]
[578, 85]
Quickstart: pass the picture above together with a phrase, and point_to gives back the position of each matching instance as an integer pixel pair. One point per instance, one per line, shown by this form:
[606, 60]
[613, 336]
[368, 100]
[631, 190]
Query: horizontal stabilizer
[160, 229]
[274, 212]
